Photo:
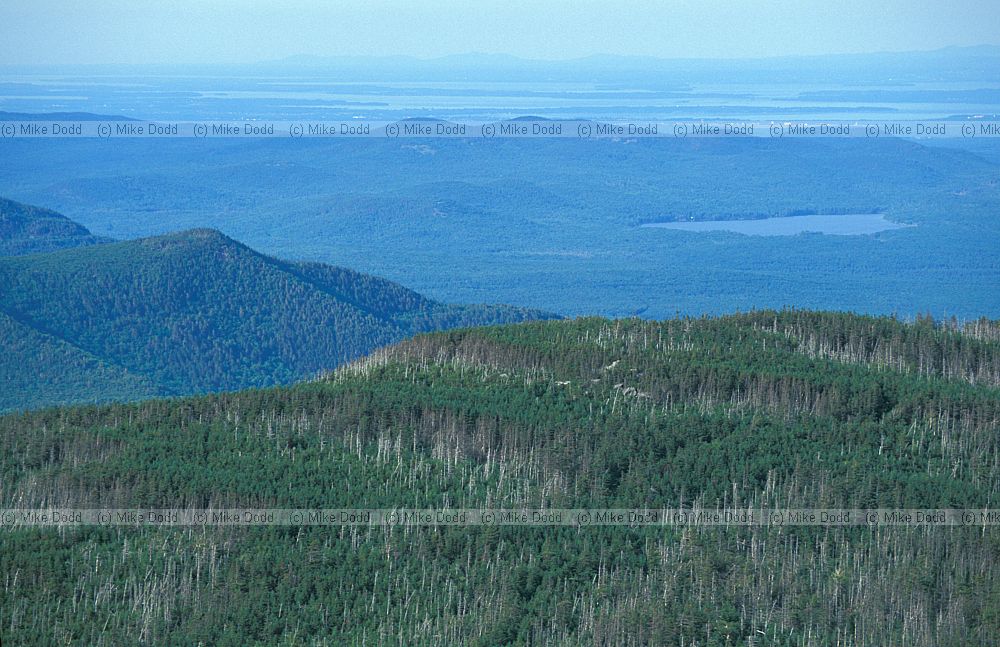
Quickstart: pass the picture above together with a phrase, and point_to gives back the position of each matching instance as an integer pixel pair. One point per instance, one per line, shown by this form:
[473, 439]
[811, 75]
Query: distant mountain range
[974, 63]
[960, 63]
[486, 59]
[186, 313]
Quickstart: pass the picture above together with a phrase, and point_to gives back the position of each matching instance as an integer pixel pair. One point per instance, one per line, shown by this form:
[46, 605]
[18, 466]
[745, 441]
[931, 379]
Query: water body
[853, 224]
[320, 97]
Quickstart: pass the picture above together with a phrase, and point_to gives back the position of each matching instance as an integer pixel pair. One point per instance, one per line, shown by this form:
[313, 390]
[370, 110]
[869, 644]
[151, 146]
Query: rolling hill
[194, 312]
[521, 221]
[25, 229]
[773, 409]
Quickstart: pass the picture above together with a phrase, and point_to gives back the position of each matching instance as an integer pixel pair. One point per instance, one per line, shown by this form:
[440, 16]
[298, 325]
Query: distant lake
[852, 224]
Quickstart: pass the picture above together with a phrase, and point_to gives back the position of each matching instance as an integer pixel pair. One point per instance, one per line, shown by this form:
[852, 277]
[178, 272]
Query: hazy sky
[189, 31]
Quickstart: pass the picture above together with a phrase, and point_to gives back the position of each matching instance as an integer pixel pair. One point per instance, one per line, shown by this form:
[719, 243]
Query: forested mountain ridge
[796, 409]
[196, 312]
[25, 229]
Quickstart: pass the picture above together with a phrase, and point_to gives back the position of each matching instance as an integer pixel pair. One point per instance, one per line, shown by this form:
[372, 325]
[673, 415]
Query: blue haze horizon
[228, 32]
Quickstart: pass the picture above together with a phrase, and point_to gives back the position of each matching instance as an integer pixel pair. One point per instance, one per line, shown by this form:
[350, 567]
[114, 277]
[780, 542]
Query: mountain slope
[38, 369]
[790, 409]
[197, 312]
[25, 229]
